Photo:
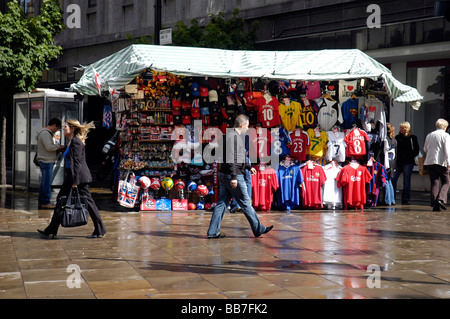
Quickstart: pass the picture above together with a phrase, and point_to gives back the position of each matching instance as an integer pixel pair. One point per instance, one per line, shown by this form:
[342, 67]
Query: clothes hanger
[328, 97]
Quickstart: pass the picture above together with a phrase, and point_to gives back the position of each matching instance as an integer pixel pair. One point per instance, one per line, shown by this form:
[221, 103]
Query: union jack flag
[127, 194]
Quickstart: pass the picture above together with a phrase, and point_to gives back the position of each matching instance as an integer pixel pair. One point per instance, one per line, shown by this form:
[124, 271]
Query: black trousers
[438, 192]
[83, 189]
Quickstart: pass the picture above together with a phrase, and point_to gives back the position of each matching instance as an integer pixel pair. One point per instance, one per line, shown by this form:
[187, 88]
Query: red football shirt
[268, 113]
[299, 144]
[260, 141]
[356, 143]
[264, 185]
[313, 179]
[353, 178]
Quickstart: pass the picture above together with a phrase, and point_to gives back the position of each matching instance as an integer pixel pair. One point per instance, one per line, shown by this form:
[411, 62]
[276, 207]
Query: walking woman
[407, 150]
[76, 174]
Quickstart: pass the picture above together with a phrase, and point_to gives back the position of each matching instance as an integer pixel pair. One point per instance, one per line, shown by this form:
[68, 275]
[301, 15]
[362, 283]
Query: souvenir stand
[322, 113]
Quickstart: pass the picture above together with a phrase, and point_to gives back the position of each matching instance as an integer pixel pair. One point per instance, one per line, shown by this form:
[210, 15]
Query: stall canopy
[122, 67]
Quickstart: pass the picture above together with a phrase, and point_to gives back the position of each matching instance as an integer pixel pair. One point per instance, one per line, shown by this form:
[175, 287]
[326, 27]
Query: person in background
[407, 150]
[46, 156]
[76, 174]
[392, 146]
[437, 162]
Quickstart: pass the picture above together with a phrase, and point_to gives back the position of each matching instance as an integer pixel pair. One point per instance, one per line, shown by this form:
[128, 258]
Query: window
[92, 23]
[430, 82]
[128, 17]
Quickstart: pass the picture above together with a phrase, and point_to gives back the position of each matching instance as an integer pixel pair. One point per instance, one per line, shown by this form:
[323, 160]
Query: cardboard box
[179, 204]
[149, 204]
[163, 204]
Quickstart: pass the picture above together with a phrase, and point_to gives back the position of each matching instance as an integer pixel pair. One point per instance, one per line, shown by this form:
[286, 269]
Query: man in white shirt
[437, 149]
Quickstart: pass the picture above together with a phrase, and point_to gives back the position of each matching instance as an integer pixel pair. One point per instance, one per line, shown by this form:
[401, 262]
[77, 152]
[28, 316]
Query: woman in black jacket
[76, 174]
[407, 150]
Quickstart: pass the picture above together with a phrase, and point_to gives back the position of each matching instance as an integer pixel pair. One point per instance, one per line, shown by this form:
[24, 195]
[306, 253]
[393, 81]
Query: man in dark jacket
[232, 183]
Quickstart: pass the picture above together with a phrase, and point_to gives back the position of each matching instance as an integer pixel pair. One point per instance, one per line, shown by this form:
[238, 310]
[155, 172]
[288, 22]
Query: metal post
[158, 9]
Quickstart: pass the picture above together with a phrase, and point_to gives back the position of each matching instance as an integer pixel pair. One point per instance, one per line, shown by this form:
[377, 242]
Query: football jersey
[331, 194]
[335, 146]
[356, 143]
[289, 180]
[260, 142]
[290, 114]
[353, 178]
[318, 143]
[299, 144]
[329, 113]
[308, 115]
[378, 180]
[268, 113]
[313, 92]
[281, 142]
[313, 179]
[350, 112]
[264, 185]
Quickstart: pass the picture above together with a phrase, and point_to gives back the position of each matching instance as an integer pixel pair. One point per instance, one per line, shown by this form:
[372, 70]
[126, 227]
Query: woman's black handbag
[74, 210]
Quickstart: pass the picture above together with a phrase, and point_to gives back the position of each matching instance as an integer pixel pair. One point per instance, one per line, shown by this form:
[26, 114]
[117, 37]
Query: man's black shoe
[216, 236]
[442, 204]
[268, 229]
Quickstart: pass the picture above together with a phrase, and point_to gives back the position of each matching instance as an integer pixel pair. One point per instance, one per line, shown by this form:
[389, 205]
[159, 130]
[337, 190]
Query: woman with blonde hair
[407, 150]
[76, 175]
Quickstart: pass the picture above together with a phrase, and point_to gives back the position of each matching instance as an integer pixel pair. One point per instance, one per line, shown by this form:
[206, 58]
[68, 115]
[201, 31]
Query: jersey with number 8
[356, 143]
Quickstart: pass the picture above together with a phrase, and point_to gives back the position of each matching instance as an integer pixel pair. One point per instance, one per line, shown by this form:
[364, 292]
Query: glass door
[20, 143]
[62, 109]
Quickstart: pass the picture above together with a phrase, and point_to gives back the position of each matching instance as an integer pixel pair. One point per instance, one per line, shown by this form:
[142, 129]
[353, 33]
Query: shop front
[317, 135]
[32, 111]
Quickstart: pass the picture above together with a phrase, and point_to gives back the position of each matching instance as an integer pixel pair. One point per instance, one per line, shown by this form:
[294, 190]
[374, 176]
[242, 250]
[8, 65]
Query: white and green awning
[122, 67]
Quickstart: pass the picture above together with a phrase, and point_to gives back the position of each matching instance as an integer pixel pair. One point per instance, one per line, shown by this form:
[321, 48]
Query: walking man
[232, 183]
[437, 161]
[46, 156]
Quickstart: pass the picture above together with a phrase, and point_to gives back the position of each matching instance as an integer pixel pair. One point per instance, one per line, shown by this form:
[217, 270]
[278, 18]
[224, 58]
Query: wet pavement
[393, 252]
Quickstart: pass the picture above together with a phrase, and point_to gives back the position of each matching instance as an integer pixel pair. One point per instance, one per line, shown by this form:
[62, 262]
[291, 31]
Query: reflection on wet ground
[386, 252]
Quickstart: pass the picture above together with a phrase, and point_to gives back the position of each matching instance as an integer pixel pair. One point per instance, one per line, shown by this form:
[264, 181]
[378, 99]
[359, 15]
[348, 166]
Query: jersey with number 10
[308, 116]
[268, 114]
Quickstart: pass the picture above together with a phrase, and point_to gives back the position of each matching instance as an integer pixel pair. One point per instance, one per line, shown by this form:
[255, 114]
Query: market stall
[318, 111]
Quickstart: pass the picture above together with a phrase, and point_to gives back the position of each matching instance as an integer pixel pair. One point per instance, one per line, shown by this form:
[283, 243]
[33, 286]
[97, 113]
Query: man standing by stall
[46, 156]
[232, 183]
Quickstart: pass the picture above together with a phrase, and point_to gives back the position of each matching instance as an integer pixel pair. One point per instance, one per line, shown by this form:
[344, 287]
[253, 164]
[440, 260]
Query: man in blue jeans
[234, 207]
[46, 156]
[232, 183]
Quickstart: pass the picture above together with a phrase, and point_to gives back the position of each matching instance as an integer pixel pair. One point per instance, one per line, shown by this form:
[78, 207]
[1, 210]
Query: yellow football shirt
[290, 115]
[318, 144]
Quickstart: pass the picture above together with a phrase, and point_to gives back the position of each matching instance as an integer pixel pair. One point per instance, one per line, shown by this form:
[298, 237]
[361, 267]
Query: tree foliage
[219, 33]
[27, 45]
